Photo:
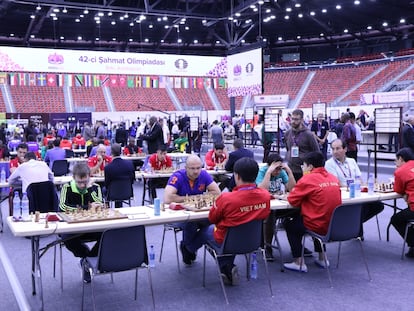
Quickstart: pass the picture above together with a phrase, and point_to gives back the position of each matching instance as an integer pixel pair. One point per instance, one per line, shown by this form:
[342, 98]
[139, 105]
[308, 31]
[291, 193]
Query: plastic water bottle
[152, 257]
[352, 190]
[16, 206]
[157, 207]
[25, 207]
[253, 266]
[3, 175]
[357, 186]
[370, 184]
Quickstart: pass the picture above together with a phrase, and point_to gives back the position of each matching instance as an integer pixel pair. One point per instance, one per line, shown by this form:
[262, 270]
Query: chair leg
[136, 284]
[61, 267]
[378, 227]
[162, 243]
[326, 262]
[54, 261]
[267, 271]
[365, 260]
[279, 248]
[176, 250]
[405, 239]
[220, 278]
[93, 289]
[204, 267]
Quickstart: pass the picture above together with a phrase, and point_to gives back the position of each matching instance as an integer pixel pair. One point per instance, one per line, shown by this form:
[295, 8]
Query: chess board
[199, 203]
[384, 187]
[79, 216]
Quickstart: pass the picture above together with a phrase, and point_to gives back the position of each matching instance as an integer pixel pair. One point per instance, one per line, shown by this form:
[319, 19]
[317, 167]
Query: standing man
[232, 209]
[320, 129]
[216, 133]
[317, 194]
[154, 136]
[349, 137]
[238, 153]
[14, 164]
[347, 170]
[404, 185]
[408, 133]
[299, 141]
[121, 135]
[192, 180]
[81, 194]
[118, 169]
[56, 153]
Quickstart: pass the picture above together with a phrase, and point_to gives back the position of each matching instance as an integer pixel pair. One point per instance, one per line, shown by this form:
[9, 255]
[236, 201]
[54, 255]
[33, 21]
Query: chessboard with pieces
[199, 203]
[92, 214]
[166, 170]
[384, 187]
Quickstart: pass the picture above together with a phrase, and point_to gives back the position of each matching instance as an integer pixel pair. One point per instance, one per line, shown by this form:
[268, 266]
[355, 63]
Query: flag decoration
[68, 80]
[138, 81]
[200, 83]
[122, 81]
[105, 80]
[41, 79]
[185, 83]
[50, 79]
[78, 79]
[177, 82]
[96, 81]
[3, 78]
[131, 81]
[163, 82]
[87, 80]
[13, 79]
[113, 81]
[154, 82]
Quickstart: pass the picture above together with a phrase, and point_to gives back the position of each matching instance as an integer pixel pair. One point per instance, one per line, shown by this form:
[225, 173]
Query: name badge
[349, 181]
[294, 152]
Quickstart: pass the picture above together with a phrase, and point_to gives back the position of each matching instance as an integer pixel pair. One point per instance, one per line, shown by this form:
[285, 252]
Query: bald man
[98, 162]
[192, 180]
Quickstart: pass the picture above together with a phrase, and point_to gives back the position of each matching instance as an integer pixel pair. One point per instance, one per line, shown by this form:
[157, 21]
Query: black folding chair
[120, 191]
[60, 167]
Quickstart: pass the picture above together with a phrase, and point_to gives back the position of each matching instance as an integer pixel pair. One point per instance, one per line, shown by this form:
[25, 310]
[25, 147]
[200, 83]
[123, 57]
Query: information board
[388, 120]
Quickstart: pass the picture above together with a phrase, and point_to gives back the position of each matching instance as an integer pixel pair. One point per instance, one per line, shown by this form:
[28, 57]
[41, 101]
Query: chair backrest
[60, 167]
[345, 223]
[42, 197]
[243, 239]
[122, 249]
[119, 190]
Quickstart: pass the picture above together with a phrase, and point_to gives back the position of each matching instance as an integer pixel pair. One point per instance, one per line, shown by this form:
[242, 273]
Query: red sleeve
[92, 162]
[151, 160]
[168, 161]
[398, 183]
[126, 151]
[209, 160]
[215, 214]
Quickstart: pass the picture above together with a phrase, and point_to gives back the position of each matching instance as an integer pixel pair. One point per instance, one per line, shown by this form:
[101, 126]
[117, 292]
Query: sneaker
[295, 267]
[235, 278]
[410, 253]
[269, 254]
[321, 263]
[187, 255]
[85, 272]
[307, 252]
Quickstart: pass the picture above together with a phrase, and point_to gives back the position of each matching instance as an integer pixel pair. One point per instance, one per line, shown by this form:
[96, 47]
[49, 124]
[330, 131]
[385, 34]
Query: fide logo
[249, 68]
[181, 63]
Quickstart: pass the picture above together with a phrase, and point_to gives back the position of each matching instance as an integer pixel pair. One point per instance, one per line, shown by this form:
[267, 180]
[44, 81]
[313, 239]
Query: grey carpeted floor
[390, 288]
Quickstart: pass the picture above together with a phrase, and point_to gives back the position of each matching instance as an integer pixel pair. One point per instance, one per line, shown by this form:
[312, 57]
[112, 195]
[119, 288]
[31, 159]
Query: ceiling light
[131, 24]
[81, 16]
[238, 14]
[96, 39]
[324, 10]
[121, 18]
[126, 15]
[357, 2]
[384, 24]
[77, 20]
[273, 16]
[298, 37]
[64, 10]
[279, 38]
[151, 26]
[165, 18]
[113, 39]
[79, 37]
[179, 41]
[113, 23]
[268, 11]
[98, 21]
[96, 18]
[288, 9]
[56, 10]
[146, 40]
[32, 16]
[243, 41]
[101, 14]
[230, 18]
[12, 35]
[204, 21]
[402, 21]
[52, 14]
[287, 17]
[166, 26]
[321, 34]
[300, 15]
[109, 13]
[38, 8]
[297, 5]
[32, 36]
[338, 7]
[86, 11]
[130, 39]
[261, 2]
[369, 27]
[142, 17]
[62, 38]
[346, 30]
[162, 40]
[255, 9]
[312, 13]
[55, 18]
[195, 41]
[187, 28]
[217, 42]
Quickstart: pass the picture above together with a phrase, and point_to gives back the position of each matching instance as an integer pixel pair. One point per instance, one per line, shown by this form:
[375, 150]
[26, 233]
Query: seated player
[132, 149]
[159, 161]
[80, 194]
[216, 159]
[181, 142]
[98, 162]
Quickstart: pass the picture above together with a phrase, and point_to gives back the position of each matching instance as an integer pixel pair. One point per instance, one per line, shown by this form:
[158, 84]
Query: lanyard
[340, 167]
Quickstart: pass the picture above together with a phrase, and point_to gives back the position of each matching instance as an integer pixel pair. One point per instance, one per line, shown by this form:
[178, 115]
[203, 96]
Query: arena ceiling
[206, 27]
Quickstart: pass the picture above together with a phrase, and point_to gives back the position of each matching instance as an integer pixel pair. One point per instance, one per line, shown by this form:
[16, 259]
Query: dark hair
[405, 153]
[22, 146]
[30, 138]
[238, 143]
[116, 150]
[351, 115]
[314, 158]
[273, 157]
[56, 142]
[162, 148]
[219, 146]
[81, 170]
[341, 140]
[30, 156]
[298, 112]
[247, 169]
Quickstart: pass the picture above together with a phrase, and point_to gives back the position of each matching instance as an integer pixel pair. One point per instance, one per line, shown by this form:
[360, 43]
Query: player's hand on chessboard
[96, 205]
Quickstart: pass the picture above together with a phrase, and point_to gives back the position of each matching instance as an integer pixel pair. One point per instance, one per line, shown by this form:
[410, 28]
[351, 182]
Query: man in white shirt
[30, 171]
[347, 170]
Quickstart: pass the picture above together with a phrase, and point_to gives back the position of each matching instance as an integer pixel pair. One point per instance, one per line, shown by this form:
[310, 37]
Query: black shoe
[187, 255]
[410, 253]
[269, 254]
[307, 252]
[85, 272]
[230, 274]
